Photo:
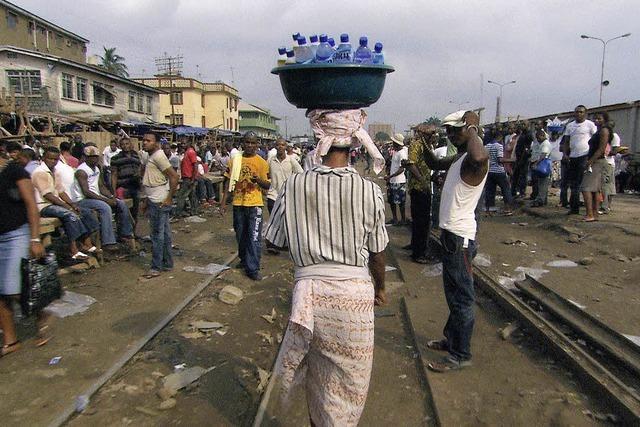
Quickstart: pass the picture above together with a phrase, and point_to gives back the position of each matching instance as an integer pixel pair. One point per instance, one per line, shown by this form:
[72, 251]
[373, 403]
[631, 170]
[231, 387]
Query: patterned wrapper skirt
[328, 349]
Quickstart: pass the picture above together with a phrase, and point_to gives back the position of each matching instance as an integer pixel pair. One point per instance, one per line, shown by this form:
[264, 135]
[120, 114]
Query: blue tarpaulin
[190, 130]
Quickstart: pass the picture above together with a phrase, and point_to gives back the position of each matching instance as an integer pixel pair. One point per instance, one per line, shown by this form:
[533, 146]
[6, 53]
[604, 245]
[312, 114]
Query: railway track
[605, 361]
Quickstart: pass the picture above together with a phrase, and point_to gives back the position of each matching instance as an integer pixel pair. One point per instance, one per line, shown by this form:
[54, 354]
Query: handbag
[543, 168]
[40, 284]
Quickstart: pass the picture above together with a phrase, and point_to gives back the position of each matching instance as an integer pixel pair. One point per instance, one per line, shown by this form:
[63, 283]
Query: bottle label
[343, 56]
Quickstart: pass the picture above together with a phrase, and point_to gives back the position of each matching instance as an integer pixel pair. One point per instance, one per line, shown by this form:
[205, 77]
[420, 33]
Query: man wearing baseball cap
[466, 176]
[397, 180]
[89, 191]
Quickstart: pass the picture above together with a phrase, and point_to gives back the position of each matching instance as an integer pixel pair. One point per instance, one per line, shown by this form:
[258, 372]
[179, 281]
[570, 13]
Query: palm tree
[114, 63]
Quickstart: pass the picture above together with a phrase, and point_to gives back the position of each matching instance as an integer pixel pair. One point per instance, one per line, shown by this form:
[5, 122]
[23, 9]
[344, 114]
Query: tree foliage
[114, 63]
[433, 120]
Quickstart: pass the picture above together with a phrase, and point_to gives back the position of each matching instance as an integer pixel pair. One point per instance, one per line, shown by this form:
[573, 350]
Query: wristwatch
[36, 241]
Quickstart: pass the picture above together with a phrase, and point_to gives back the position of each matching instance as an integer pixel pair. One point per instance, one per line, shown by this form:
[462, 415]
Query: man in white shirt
[576, 149]
[107, 155]
[397, 180]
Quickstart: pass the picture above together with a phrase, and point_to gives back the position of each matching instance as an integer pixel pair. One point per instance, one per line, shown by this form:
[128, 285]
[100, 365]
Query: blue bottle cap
[344, 38]
[323, 38]
[282, 50]
[331, 41]
[295, 36]
[313, 39]
[363, 41]
[302, 40]
[378, 47]
[290, 53]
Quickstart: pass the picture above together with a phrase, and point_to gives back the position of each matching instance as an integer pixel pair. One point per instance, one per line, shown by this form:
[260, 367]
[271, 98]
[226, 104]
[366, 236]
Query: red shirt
[188, 164]
[70, 160]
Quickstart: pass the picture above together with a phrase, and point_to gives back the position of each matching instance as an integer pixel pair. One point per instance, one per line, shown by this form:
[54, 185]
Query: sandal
[42, 337]
[79, 256]
[151, 274]
[447, 364]
[438, 345]
[10, 348]
[586, 219]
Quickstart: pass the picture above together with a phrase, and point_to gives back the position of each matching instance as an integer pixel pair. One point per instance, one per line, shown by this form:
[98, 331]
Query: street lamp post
[604, 51]
[499, 101]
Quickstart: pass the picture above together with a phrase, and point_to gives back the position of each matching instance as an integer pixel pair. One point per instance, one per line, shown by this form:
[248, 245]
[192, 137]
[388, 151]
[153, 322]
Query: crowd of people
[330, 219]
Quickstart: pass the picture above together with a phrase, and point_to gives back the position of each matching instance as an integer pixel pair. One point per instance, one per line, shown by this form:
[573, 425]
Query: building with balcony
[375, 128]
[23, 29]
[52, 84]
[187, 101]
[259, 120]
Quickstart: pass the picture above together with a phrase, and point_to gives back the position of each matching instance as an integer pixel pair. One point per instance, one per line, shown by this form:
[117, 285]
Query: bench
[49, 225]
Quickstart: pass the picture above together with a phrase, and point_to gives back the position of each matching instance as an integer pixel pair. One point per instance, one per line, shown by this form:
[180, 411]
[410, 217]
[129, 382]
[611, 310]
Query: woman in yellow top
[248, 179]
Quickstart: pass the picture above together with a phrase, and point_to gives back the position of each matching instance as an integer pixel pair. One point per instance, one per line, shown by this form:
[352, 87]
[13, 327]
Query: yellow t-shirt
[246, 192]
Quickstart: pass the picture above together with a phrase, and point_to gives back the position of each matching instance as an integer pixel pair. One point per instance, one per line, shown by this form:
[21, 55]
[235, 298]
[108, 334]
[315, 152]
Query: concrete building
[259, 120]
[52, 84]
[187, 101]
[374, 128]
[23, 29]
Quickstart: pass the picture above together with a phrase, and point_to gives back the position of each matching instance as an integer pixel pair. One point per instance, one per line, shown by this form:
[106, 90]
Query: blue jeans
[457, 277]
[125, 229]
[14, 245]
[75, 226]
[247, 222]
[159, 217]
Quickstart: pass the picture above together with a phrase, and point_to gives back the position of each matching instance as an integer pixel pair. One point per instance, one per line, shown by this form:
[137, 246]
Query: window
[59, 40]
[103, 95]
[177, 119]
[132, 101]
[67, 86]
[12, 20]
[176, 98]
[140, 105]
[81, 89]
[227, 103]
[204, 122]
[24, 82]
[202, 101]
[30, 26]
[148, 105]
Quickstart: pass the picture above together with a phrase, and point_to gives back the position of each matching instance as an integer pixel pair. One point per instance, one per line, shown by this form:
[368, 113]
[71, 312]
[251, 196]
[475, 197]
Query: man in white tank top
[90, 192]
[466, 176]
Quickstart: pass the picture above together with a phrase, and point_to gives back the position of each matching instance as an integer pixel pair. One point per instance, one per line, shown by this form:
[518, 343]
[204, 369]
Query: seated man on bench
[89, 192]
[53, 202]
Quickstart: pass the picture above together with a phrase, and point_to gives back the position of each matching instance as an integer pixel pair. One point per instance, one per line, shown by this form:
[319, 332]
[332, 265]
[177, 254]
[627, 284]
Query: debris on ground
[506, 332]
[574, 238]
[270, 318]
[586, 261]
[71, 303]
[263, 379]
[482, 260]
[433, 270]
[194, 219]
[562, 263]
[167, 404]
[507, 282]
[146, 411]
[580, 306]
[55, 360]
[178, 380]
[210, 269]
[621, 258]
[206, 326]
[192, 335]
[514, 241]
[389, 268]
[266, 336]
[230, 295]
[535, 273]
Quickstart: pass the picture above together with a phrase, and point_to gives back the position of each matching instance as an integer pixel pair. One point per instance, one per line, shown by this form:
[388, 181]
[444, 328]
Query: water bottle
[332, 43]
[378, 56]
[291, 58]
[324, 54]
[313, 44]
[343, 53]
[363, 53]
[295, 37]
[282, 56]
[303, 52]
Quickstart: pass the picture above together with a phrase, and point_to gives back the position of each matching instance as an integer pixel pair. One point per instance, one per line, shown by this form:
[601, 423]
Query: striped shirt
[329, 215]
[496, 152]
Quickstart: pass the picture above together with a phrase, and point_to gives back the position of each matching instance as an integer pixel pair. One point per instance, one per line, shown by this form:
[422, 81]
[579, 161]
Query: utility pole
[286, 128]
[604, 51]
[170, 66]
[499, 100]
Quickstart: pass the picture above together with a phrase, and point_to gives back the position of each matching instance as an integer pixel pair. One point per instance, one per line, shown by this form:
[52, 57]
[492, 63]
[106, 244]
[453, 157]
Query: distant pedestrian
[576, 153]
[466, 176]
[188, 173]
[397, 181]
[248, 178]
[608, 173]
[541, 153]
[521, 164]
[497, 177]
[591, 186]
[126, 177]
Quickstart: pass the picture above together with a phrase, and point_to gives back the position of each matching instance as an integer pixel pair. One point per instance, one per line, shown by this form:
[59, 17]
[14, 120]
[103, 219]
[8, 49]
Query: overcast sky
[440, 49]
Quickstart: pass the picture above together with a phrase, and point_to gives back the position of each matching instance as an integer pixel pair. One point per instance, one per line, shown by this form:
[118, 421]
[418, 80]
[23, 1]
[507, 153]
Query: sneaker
[448, 363]
[255, 276]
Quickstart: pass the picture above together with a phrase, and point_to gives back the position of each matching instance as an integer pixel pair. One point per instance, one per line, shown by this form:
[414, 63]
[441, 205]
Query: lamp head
[584, 36]
[626, 35]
